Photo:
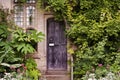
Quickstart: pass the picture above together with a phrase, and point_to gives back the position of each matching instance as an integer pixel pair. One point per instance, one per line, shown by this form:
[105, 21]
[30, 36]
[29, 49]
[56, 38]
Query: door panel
[56, 45]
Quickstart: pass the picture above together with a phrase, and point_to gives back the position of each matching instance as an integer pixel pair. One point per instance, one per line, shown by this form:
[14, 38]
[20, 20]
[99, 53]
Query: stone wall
[6, 4]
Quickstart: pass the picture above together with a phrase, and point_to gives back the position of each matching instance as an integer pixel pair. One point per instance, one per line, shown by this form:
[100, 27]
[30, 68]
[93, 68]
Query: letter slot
[51, 44]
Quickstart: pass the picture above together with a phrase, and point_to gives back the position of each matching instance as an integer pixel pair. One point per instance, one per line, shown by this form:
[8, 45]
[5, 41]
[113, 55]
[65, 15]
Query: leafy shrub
[15, 44]
[94, 31]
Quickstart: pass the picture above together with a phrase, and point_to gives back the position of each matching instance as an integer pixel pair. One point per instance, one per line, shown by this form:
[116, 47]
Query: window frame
[19, 1]
[25, 14]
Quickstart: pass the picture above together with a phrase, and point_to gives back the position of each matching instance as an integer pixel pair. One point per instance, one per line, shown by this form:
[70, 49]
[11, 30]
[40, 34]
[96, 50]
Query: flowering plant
[27, 71]
[15, 73]
[101, 72]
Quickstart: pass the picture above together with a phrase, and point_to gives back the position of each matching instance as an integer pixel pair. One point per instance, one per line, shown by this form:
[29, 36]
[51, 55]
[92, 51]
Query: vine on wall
[94, 30]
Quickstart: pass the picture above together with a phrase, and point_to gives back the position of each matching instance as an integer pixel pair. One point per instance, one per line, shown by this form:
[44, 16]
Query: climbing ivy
[94, 30]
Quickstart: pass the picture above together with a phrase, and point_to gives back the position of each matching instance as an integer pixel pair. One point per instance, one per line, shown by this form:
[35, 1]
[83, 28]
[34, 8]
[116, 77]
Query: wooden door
[56, 45]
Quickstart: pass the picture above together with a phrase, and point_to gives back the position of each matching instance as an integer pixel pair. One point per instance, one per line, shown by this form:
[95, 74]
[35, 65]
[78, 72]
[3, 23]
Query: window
[18, 17]
[27, 1]
[31, 1]
[18, 1]
[25, 14]
[30, 11]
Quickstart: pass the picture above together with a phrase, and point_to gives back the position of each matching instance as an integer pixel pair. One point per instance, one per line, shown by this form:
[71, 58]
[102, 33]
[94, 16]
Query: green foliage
[25, 48]
[3, 55]
[31, 36]
[15, 44]
[3, 15]
[24, 42]
[32, 71]
[9, 65]
[94, 30]
[3, 32]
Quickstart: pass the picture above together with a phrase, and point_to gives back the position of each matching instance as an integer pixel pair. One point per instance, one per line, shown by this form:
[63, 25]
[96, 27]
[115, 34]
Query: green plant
[101, 73]
[32, 70]
[16, 49]
[15, 44]
[94, 30]
[24, 42]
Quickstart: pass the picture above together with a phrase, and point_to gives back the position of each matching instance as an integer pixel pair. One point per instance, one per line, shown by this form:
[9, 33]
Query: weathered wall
[6, 3]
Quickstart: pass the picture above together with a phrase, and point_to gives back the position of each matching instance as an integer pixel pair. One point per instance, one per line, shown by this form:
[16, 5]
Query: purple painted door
[56, 45]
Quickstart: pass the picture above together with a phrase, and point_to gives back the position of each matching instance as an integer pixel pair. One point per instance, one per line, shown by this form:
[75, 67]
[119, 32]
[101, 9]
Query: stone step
[56, 75]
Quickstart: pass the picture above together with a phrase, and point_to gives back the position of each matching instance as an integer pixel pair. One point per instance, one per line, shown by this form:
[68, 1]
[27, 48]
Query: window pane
[31, 1]
[18, 1]
[30, 11]
[18, 16]
[27, 1]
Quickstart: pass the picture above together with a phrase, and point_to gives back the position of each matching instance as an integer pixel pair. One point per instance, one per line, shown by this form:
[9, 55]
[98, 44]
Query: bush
[15, 44]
